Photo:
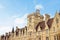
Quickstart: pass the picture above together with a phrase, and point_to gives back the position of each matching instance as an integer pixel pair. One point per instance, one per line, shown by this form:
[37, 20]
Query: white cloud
[39, 7]
[14, 21]
[21, 21]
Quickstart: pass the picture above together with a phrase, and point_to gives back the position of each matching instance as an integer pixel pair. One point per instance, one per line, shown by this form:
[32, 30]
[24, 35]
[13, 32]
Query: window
[30, 33]
[47, 31]
[16, 33]
[47, 38]
[55, 37]
[58, 37]
[13, 30]
[39, 38]
[23, 32]
[26, 30]
[54, 29]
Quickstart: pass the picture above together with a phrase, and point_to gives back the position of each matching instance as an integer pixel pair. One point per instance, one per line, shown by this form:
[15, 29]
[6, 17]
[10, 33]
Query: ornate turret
[34, 19]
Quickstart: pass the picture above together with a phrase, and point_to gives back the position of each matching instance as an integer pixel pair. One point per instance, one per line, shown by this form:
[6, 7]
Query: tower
[33, 19]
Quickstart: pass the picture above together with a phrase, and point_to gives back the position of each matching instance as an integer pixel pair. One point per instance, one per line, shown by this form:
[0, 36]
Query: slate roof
[42, 24]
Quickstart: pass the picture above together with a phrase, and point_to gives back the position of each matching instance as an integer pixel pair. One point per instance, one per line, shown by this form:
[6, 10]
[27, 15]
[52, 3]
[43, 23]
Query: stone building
[38, 28]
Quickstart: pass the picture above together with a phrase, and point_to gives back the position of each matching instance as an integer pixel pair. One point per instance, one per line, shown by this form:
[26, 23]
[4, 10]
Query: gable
[41, 25]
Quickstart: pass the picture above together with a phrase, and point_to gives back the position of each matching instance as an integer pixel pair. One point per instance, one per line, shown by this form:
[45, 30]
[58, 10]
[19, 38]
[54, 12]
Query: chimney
[47, 17]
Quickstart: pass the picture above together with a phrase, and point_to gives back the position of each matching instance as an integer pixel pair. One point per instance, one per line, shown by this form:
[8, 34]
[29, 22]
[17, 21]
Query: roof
[49, 22]
[42, 24]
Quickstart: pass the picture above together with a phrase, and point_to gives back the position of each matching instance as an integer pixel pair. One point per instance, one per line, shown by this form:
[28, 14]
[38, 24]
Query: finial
[38, 10]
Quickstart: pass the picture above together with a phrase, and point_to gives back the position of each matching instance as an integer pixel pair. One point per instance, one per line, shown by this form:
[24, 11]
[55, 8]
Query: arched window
[55, 37]
[39, 38]
[47, 38]
[16, 33]
[47, 31]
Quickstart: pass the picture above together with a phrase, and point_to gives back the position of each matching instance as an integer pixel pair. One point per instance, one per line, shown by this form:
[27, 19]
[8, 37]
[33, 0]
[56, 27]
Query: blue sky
[14, 12]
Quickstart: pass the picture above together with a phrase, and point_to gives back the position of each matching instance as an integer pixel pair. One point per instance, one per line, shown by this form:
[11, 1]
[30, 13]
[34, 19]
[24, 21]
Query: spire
[12, 30]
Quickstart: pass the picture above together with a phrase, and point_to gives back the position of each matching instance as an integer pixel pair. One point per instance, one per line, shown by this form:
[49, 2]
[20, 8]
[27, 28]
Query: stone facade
[38, 28]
